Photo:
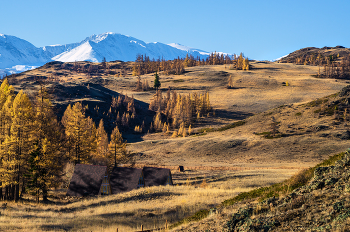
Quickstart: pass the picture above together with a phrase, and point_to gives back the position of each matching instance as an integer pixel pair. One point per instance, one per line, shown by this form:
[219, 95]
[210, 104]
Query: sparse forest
[175, 110]
[334, 64]
[144, 65]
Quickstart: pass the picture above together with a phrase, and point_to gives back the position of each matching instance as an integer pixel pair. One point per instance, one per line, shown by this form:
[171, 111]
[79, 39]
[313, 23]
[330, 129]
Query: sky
[261, 29]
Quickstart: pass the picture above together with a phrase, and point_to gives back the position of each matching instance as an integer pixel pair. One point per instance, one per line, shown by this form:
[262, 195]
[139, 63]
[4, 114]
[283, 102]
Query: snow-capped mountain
[115, 46]
[16, 51]
[17, 55]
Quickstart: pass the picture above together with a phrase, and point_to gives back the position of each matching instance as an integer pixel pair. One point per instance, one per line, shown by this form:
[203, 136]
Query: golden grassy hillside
[220, 160]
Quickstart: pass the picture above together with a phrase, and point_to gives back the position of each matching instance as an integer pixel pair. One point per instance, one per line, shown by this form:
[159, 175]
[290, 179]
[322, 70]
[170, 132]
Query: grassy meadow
[151, 207]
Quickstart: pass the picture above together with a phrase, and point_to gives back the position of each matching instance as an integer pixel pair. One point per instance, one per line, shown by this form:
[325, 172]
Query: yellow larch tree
[80, 132]
[117, 149]
[18, 144]
[101, 156]
[46, 159]
[6, 103]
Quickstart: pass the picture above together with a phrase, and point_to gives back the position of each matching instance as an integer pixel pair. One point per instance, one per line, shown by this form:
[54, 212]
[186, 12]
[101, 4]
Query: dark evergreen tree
[156, 81]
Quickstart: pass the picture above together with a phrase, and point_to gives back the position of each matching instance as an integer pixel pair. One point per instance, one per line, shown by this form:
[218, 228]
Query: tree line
[35, 145]
[334, 65]
[338, 70]
[144, 65]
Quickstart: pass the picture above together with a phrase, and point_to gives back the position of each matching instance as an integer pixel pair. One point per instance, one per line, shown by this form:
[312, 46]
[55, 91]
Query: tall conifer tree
[80, 132]
[46, 159]
[156, 81]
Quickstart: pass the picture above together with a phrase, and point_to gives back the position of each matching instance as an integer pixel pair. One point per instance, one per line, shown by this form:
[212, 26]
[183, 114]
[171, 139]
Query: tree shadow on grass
[102, 202]
[266, 68]
[236, 115]
[222, 118]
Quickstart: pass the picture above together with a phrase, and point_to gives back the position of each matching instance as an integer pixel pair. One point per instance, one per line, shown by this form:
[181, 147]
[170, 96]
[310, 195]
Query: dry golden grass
[254, 92]
[150, 207]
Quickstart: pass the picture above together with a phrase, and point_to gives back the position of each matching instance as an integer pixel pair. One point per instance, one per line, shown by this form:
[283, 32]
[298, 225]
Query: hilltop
[335, 52]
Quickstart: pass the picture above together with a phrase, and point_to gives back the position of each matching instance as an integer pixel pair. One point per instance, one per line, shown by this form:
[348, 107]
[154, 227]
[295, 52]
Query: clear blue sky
[261, 29]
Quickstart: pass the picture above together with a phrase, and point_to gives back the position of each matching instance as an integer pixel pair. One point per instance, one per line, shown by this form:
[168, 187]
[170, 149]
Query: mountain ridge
[16, 52]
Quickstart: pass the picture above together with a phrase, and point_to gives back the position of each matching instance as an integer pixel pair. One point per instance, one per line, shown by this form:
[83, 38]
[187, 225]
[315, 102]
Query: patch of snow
[22, 68]
[280, 58]
[188, 49]
[17, 69]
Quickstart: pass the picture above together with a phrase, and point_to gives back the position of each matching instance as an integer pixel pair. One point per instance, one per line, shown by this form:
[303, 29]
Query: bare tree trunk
[16, 192]
[12, 192]
[23, 189]
[6, 193]
[44, 194]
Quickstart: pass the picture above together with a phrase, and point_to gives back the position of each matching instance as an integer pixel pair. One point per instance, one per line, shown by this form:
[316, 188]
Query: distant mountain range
[17, 55]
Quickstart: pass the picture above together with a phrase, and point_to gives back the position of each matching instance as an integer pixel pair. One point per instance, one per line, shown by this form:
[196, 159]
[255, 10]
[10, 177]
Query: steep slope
[54, 50]
[321, 205]
[188, 49]
[115, 46]
[16, 51]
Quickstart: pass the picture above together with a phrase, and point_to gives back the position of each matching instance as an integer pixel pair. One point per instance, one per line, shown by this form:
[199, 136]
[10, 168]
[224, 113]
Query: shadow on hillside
[236, 115]
[102, 202]
[57, 227]
[222, 117]
[265, 68]
[98, 100]
[213, 179]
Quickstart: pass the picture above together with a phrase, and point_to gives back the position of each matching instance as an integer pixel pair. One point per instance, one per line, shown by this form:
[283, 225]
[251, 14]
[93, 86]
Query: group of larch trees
[177, 111]
[34, 145]
[334, 65]
[144, 65]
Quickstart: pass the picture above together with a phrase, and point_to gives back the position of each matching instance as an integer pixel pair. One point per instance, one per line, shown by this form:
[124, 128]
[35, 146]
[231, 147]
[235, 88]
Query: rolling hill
[313, 51]
[219, 155]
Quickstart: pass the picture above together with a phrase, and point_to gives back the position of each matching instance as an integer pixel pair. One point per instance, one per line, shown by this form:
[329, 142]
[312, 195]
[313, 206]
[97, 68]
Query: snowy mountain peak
[107, 36]
[99, 38]
[114, 46]
[16, 52]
